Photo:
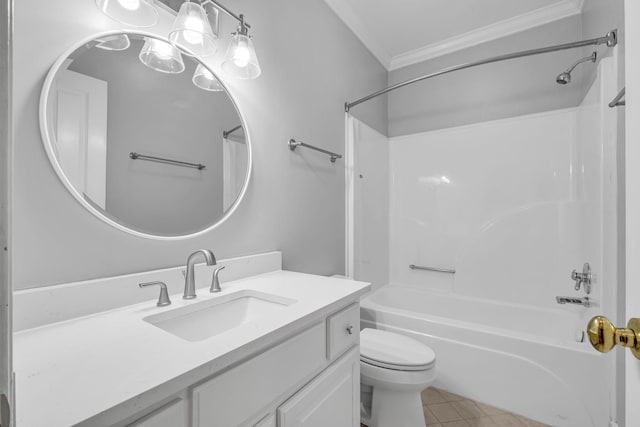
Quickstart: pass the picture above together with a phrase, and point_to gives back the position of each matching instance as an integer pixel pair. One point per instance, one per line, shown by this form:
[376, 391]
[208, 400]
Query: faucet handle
[585, 278]
[215, 282]
[163, 299]
[577, 278]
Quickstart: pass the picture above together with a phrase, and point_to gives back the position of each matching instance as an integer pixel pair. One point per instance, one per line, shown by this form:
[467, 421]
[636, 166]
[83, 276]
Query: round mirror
[145, 138]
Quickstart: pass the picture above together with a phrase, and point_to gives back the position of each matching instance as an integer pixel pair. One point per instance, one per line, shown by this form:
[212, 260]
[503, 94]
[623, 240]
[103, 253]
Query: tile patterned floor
[443, 409]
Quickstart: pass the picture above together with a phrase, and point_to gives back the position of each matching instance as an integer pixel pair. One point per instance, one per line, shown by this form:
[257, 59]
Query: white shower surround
[513, 205]
[498, 202]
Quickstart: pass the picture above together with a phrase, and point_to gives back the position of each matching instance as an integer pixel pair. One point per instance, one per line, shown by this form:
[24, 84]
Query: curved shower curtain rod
[610, 39]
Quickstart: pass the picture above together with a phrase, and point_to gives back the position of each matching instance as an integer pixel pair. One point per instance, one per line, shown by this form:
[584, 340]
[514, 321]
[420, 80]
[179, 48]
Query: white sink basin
[203, 320]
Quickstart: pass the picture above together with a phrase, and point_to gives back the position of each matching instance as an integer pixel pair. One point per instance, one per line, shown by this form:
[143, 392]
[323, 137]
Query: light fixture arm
[243, 28]
[239, 18]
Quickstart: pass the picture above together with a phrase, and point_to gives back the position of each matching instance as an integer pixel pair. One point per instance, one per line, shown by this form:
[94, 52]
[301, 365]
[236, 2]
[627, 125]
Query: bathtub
[522, 359]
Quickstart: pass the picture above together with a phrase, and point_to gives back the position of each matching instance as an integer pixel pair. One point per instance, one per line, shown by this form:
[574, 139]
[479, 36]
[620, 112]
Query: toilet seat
[396, 367]
[394, 351]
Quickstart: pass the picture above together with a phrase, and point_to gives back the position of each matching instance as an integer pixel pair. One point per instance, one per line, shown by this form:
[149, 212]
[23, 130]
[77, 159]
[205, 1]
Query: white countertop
[69, 372]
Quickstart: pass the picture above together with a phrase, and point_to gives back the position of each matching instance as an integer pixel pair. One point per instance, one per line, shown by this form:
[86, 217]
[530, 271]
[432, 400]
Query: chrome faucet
[585, 278]
[573, 300]
[189, 280]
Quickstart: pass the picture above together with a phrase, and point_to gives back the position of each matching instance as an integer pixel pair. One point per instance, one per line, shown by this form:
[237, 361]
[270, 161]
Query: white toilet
[394, 369]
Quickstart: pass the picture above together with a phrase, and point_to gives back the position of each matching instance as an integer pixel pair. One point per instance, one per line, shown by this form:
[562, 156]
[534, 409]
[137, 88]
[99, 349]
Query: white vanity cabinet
[319, 388]
[331, 399]
[310, 379]
[235, 397]
[294, 366]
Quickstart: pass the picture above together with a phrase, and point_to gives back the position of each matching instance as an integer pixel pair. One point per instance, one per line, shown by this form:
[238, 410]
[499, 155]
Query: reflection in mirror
[101, 103]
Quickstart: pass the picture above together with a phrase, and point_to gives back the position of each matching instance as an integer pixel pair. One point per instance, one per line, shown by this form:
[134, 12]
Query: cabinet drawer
[268, 421]
[332, 399]
[343, 331]
[170, 415]
[236, 396]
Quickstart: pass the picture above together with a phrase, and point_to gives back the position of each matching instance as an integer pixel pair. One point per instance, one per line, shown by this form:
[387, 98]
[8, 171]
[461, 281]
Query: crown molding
[344, 12]
[488, 33]
[516, 24]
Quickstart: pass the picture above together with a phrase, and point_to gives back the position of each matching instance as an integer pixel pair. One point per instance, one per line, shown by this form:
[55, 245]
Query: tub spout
[573, 300]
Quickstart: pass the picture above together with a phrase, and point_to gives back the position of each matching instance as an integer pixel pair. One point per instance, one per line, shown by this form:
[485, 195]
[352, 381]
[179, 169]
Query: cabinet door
[237, 396]
[331, 399]
[170, 415]
[268, 421]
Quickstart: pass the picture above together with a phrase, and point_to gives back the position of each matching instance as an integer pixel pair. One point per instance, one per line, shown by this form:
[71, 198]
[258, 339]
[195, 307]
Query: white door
[632, 159]
[331, 399]
[80, 130]
[5, 286]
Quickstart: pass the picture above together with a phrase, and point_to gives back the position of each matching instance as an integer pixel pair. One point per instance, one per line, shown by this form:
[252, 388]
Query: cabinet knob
[350, 330]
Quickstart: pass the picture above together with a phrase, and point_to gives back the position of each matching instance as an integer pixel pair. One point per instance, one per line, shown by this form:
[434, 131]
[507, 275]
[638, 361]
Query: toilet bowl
[394, 369]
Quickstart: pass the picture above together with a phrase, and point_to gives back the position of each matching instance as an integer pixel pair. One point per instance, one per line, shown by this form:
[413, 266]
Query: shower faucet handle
[578, 279]
[585, 278]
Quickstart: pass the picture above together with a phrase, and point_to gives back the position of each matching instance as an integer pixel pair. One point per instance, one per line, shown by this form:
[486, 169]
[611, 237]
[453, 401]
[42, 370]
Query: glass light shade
[138, 13]
[241, 61]
[205, 79]
[115, 42]
[191, 31]
[161, 56]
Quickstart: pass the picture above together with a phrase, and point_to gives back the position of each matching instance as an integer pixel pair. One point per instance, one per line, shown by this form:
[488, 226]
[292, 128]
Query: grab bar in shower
[617, 101]
[293, 144]
[438, 270]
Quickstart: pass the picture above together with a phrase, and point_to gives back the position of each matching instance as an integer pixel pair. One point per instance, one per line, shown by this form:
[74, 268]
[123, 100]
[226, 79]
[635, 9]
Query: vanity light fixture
[241, 60]
[191, 31]
[115, 42]
[161, 56]
[139, 13]
[205, 79]
[194, 31]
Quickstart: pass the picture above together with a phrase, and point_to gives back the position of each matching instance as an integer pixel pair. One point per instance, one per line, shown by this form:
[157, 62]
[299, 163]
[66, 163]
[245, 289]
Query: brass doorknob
[604, 336]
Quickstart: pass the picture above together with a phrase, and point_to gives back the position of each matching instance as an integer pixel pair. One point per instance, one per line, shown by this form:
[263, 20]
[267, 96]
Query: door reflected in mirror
[124, 94]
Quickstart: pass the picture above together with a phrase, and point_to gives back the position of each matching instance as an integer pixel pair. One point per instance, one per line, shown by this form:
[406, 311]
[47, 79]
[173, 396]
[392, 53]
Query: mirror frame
[47, 141]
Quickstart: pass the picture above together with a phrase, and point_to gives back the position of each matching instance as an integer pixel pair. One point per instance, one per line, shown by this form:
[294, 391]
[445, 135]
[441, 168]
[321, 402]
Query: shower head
[565, 77]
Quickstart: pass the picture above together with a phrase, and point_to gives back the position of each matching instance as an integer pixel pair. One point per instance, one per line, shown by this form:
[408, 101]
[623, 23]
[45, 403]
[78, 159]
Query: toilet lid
[394, 351]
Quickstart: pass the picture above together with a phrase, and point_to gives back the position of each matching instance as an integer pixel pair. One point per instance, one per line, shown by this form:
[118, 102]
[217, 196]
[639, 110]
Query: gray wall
[295, 202]
[162, 115]
[488, 92]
